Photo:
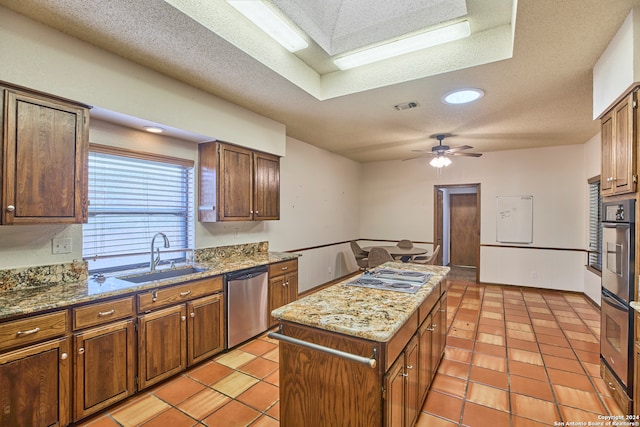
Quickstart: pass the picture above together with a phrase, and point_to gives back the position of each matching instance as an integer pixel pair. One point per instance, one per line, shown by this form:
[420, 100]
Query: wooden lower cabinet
[173, 338]
[439, 334]
[425, 373]
[104, 367]
[283, 286]
[205, 327]
[315, 385]
[394, 384]
[162, 346]
[35, 385]
[412, 402]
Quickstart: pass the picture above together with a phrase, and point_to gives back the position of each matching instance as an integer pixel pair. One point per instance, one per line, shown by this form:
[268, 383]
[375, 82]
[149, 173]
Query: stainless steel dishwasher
[247, 301]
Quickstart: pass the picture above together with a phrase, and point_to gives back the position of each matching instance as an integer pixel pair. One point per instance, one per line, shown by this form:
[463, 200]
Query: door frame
[438, 220]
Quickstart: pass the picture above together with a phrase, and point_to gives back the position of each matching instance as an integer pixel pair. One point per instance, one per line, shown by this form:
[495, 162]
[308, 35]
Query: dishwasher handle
[246, 274]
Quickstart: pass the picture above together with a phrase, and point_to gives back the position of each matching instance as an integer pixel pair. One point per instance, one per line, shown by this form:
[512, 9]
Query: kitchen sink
[162, 275]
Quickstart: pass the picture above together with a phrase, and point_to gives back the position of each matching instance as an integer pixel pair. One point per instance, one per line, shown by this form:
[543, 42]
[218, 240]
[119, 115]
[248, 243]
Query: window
[595, 227]
[133, 196]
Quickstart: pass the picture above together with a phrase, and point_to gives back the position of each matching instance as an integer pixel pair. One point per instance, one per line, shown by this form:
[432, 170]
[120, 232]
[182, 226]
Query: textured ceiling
[535, 70]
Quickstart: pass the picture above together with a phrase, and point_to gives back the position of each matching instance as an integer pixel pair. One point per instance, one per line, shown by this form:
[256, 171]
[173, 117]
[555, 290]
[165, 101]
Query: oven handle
[614, 302]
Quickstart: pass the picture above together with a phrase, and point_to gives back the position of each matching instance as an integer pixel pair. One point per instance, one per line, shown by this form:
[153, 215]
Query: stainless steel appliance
[392, 280]
[616, 326]
[247, 301]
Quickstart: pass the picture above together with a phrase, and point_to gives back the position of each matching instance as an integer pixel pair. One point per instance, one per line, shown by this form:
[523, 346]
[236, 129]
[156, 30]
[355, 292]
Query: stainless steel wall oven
[618, 272]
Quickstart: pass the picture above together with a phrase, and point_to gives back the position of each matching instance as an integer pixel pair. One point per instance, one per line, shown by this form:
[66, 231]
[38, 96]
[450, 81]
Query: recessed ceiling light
[424, 40]
[153, 129]
[462, 96]
[271, 23]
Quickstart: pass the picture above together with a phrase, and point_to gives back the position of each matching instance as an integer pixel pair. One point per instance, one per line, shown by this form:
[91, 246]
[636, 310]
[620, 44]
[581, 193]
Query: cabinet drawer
[283, 267]
[33, 329]
[162, 297]
[102, 312]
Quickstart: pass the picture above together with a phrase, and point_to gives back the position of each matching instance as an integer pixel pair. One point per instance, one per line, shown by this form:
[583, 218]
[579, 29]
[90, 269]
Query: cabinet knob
[192, 314]
[405, 375]
[11, 208]
[185, 293]
[409, 366]
[63, 356]
[81, 350]
[183, 318]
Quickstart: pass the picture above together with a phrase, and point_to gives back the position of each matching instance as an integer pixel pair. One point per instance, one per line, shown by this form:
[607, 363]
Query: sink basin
[161, 275]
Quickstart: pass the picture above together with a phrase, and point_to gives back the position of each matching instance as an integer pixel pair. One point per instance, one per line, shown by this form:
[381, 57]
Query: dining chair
[404, 244]
[427, 259]
[378, 256]
[360, 255]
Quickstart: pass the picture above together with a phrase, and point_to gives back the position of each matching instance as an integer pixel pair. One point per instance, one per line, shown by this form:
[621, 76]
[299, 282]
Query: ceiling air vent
[406, 105]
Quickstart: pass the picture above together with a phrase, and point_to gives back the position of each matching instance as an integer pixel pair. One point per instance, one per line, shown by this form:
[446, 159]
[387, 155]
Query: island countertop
[371, 314]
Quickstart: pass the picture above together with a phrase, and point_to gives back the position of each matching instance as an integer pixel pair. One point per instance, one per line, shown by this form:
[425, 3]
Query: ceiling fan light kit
[440, 162]
[441, 153]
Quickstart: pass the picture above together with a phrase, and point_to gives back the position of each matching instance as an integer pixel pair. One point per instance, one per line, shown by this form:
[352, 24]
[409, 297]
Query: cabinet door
[606, 172]
[104, 367]
[279, 294]
[35, 385]
[436, 338]
[44, 177]
[267, 187]
[624, 147]
[162, 347]
[424, 363]
[394, 404]
[205, 328]
[412, 381]
[236, 188]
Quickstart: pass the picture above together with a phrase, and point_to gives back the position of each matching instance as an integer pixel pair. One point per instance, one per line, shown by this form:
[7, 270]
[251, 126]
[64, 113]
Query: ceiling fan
[440, 152]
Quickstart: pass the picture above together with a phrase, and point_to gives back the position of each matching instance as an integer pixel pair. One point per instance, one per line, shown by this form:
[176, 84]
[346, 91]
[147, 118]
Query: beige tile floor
[514, 357]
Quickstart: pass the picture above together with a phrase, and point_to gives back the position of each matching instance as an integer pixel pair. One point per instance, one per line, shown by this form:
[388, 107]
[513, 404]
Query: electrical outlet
[61, 245]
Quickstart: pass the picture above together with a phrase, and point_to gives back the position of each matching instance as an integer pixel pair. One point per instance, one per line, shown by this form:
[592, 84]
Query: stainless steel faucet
[156, 261]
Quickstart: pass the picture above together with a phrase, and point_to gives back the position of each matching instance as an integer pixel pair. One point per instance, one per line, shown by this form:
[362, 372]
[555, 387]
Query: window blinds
[595, 228]
[131, 199]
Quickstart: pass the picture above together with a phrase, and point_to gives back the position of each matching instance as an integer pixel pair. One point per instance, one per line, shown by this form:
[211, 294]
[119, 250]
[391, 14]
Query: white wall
[592, 159]
[618, 68]
[553, 176]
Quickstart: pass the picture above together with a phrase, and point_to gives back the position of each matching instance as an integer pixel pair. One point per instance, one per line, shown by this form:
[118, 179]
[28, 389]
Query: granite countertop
[635, 305]
[32, 299]
[371, 314]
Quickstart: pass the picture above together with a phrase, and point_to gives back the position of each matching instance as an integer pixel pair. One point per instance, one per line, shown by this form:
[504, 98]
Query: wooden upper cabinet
[237, 184]
[267, 186]
[236, 189]
[618, 133]
[44, 157]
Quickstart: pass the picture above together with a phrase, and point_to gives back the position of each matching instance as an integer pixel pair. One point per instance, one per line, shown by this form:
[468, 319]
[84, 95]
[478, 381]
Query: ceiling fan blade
[465, 154]
[417, 157]
[460, 148]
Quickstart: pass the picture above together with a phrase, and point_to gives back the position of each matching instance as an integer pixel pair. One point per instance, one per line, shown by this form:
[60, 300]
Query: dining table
[398, 252]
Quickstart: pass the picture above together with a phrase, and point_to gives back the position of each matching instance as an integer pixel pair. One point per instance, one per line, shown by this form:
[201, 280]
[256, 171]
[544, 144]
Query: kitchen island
[360, 356]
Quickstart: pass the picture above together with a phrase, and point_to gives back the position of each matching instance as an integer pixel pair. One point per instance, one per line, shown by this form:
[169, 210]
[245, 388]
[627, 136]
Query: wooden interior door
[465, 239]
